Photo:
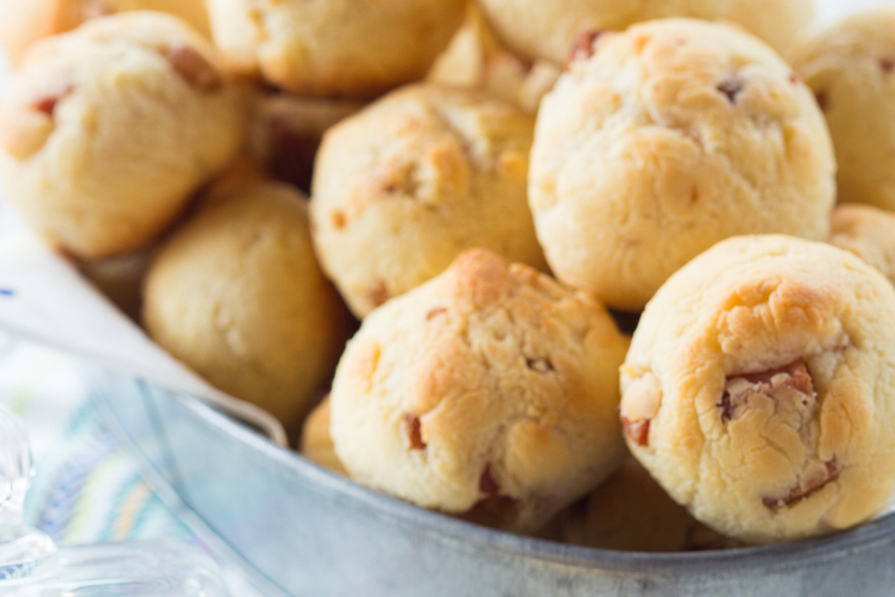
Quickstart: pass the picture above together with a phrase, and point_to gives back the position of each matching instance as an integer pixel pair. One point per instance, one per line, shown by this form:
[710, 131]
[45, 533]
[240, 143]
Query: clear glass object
[32, 566]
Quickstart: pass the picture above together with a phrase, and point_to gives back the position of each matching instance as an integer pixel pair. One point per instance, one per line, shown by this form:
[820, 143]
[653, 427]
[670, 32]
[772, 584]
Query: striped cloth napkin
[86, 488]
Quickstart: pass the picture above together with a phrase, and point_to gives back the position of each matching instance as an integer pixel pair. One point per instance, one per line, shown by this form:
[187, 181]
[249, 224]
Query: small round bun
[538, 29]
[406, 185]
[337, 48]
[661, 141]
[760, 388]
[106, 131]
[850, 66]
[869, 233]
[237, 295]
[490, 391]
[631, 512]
[316, 441]
[23, 22]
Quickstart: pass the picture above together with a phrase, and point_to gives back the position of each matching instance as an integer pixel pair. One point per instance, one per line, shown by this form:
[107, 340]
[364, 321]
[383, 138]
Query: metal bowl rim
[469, 536]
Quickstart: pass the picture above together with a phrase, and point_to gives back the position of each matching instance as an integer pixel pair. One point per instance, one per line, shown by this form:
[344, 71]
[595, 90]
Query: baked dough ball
[106, 131]
[849, 66]
[631, 512]
[538, 29]
[286, 131]
[23, 22]
[406, 185]
[759, 389]
[869, 233]
[668, 138]
[317, 443]
[489, 389]
[335, 48]
[237, 295]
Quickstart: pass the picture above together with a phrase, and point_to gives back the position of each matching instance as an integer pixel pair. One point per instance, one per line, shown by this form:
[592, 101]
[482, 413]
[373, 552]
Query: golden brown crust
[237, 295]
[489, 387]
[765, 370]
[670, 137]
[849, 67]
[401, 188]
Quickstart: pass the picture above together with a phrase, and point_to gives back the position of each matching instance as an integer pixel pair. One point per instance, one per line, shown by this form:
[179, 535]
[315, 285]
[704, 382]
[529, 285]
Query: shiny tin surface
[310, 532]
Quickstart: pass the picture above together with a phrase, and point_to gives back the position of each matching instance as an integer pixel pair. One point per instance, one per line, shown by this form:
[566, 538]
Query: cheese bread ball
[406, 185]
[850, 66]
[106, 131]
[316, 442]
[489, 391]
[869, 233]
[537, 29]
[631, 512]
[661, 141]
[759, 390]
[237, 295]
[337, 48]
[23, 22]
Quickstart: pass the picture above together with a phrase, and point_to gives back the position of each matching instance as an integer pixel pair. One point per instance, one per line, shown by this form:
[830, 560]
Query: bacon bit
[414, 431]
[492, 501]
[435, 313]
[804, 489]
[193, 67]
[378, 295]
[726, 407]
[823, 100]
[797, 378]
[797, 371]
[638, 431]
[794, 78]
[583, 46]
[539, 365]
[731, 88]
[487, 483]
[47, 103]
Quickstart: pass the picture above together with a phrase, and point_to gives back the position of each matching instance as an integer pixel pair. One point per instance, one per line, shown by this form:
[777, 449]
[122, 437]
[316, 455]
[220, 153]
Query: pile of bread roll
[497, 191]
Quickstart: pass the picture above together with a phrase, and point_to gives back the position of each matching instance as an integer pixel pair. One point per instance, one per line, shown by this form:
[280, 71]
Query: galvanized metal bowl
[313, 533]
